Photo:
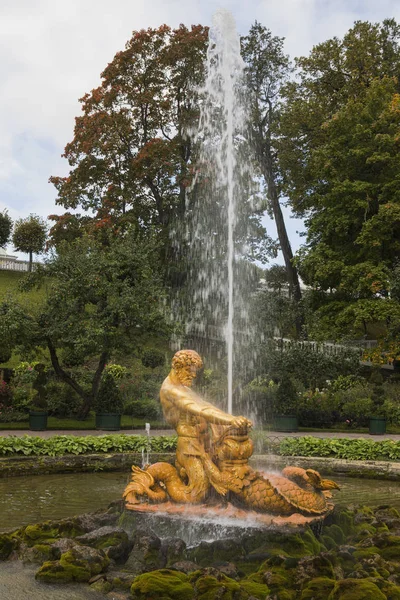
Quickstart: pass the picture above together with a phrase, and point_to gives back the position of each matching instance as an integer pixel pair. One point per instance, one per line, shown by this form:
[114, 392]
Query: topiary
[109, 398]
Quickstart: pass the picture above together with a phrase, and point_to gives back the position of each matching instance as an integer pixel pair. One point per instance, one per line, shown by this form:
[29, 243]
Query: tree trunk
[88, 399]
[292, 275]
[30, 261]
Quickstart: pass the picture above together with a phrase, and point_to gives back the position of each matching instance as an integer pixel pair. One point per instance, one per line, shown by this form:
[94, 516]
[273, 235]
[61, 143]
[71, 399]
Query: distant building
[8, 262]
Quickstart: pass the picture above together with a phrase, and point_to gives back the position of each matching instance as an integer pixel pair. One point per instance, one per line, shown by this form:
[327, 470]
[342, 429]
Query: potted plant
[109, 404]
[38, 411]
[285, 410]
[377, 422]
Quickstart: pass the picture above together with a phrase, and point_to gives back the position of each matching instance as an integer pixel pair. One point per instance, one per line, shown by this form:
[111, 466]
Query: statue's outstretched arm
[192, 403]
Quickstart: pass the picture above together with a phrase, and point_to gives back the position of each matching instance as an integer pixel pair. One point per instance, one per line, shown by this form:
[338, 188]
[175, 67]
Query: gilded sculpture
[212, 457]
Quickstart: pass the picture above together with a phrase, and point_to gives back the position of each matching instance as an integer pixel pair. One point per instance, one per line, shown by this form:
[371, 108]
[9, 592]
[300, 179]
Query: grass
[9, 282]
[54, 423]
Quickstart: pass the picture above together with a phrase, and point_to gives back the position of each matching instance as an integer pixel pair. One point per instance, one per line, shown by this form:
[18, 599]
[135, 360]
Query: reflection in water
[18, 583]
[25, 500]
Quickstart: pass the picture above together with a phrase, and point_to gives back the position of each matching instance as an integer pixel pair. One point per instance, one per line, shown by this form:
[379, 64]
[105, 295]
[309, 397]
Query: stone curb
[13, 466]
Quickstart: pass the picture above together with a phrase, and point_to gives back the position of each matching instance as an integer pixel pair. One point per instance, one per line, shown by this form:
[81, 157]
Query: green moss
[366, 552]
[257, 590]
[390, 553]
[336, 533]
[208, 587]
[356, 589]
[115, 539]
[163, 585]
[7, 545]
[328, 542]
[101, 586]
[40, 532]
[318, 589]
[55, 572]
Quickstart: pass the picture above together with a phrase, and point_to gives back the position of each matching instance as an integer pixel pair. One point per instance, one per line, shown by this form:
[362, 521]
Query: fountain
[220, 202]
[212, 474]
[214, 446]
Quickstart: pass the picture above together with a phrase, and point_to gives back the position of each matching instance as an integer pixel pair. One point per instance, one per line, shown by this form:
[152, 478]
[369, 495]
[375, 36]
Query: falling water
[221, 189]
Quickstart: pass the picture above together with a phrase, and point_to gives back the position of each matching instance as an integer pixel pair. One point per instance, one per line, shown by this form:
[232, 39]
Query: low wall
[13, 466]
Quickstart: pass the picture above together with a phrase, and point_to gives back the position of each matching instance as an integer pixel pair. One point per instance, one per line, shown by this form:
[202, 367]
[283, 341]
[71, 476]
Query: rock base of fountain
[227, 518]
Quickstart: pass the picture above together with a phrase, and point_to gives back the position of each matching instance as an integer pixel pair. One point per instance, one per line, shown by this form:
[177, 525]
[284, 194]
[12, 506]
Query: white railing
[13, 264]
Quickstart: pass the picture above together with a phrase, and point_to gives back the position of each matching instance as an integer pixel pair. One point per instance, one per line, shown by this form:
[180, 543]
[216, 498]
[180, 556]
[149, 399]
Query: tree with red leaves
[129, 156]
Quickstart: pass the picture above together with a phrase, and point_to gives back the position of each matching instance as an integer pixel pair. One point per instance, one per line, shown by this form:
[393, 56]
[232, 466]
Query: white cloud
[53, 51]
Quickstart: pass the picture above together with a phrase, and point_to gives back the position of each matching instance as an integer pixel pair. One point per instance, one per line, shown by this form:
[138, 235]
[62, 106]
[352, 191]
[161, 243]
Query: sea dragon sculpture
[213, 453]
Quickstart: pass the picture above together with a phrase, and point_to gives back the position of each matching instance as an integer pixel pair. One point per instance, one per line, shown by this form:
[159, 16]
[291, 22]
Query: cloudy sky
[52, 52]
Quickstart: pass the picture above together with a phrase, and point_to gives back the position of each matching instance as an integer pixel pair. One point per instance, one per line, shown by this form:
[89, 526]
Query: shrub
[7, 415]
[109, 398]
[318, 409]
[6, 393]
[143, 409]
[22, 398]
[153, 358]
[286, 397]
[117, 371]
[62, 400]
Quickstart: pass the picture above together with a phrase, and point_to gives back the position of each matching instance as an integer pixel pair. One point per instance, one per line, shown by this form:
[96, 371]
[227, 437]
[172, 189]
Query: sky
[53, 51]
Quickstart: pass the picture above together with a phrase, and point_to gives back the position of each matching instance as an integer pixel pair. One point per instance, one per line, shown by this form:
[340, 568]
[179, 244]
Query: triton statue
[212, 459]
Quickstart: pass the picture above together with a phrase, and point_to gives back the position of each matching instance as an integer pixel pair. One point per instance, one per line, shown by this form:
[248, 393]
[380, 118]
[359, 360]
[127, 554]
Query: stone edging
[368, 469]
[11, 466]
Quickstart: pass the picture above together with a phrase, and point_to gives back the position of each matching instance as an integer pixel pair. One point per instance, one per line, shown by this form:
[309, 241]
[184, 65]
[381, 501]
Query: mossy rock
[55, 572]
[254, 589]
[79, 564]
[207, 553]
[328, 541]
[366, 553]
[318, 589]
[7, 545]
[209, 587]
[38, 554]
[163, 584]
[33, 534]
[344, 519]
[356, 589]
[336, 533]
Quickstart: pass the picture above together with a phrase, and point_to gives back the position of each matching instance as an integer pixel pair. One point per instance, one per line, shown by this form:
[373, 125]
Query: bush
[22, 398]
[153, 358]
[143, 409]
[286, 397]
[318, 409]
[8, 415]
[62, 400]
[109, 398]
[6, 394]
[59, 445]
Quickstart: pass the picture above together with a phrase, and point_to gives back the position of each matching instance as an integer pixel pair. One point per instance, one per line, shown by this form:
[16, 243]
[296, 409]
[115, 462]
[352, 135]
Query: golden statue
[212, 459]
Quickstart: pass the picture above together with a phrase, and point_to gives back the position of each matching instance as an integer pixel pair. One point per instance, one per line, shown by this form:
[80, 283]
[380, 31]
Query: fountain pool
[25, 500]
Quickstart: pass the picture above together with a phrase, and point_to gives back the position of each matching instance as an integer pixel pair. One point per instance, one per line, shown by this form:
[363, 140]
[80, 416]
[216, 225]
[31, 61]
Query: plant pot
[285, 423]
[38, 420]
[377, 425]
[108, 421]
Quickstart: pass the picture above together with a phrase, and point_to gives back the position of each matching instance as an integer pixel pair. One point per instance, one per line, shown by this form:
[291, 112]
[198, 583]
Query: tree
[339, 153]
[267, 70]
[130, 153]
[5, 228]
[30, 236]
[100, 300]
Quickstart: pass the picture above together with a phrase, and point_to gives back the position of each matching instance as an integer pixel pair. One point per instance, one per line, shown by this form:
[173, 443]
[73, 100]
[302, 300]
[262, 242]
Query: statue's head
[186, 363]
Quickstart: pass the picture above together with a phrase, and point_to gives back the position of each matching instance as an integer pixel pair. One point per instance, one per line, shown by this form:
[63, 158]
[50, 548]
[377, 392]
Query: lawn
[127, 422]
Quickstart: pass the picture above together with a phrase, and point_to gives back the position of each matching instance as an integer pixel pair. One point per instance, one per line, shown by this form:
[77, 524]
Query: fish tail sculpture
[161, 482]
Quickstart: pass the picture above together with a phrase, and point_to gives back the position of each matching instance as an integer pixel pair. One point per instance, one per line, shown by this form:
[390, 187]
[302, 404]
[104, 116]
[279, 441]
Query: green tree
[267, 70]
[339, 153]
[101, 299]
[129, 157]
[30, 236]
[5, 228]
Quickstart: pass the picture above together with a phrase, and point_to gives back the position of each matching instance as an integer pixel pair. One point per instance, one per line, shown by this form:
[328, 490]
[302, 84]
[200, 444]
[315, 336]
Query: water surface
[25, 500]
